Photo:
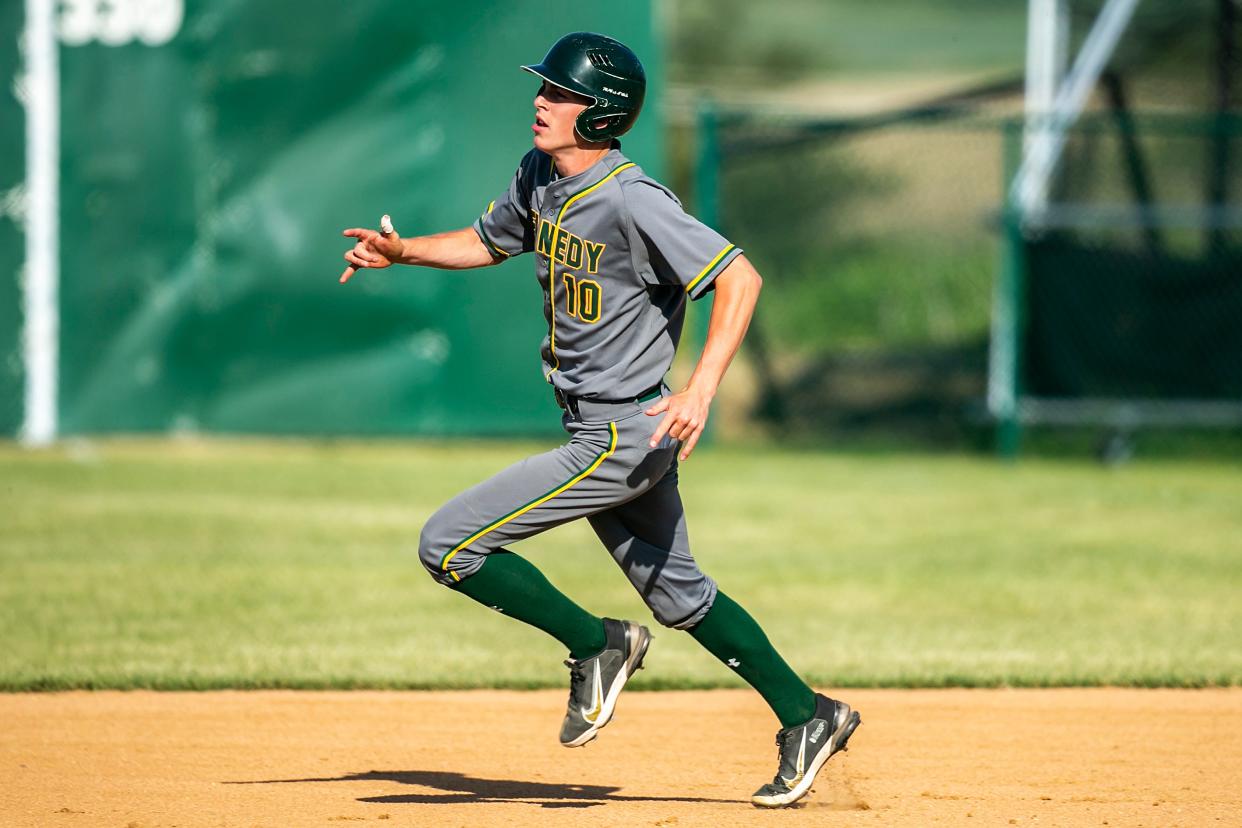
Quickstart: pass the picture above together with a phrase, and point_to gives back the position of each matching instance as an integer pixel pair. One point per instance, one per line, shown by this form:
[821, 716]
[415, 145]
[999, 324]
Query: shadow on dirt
[458, 788]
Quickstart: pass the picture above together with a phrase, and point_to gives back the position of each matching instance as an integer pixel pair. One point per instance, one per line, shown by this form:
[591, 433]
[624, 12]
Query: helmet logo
[616, 92]
[599, 58]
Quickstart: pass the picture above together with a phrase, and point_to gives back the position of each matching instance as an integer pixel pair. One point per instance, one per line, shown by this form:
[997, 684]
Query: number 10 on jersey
[582, 297]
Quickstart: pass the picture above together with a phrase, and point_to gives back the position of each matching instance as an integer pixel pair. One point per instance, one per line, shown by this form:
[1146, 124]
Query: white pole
[1041, 77]
[1047, 36]
[42, 271]
[1030, 188]
[1061, 55]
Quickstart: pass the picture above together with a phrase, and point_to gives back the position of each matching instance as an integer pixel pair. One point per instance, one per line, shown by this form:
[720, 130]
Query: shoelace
[781, 736]
[577, 676]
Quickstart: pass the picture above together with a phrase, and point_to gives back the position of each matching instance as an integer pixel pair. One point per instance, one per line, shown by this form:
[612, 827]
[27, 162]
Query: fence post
[1012, 289]
[1005, 368]
[707, 166]
[707, 197]
[707, 206]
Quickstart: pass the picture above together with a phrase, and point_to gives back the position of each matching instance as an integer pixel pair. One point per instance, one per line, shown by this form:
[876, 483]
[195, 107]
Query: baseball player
[617, 258]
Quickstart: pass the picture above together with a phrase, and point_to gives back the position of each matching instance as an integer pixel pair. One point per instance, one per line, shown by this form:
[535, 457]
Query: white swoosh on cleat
[593, 714]
[801, 766]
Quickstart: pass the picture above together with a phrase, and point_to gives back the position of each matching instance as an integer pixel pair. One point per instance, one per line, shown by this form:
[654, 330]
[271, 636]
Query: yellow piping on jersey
[612, 446]
[488, 239]
[556, 231]
[709, 267]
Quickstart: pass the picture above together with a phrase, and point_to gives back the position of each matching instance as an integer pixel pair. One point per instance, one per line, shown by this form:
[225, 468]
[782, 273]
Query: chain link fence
[1120, 304]
[901, 293]
[877, 238]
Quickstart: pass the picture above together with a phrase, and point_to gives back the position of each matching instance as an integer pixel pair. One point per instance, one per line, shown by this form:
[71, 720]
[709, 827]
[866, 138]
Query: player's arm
[455, 250]
[503, 231]
[685, 413]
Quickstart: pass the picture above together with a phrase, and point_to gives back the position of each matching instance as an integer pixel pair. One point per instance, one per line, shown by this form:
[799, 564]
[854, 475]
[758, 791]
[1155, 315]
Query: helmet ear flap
[594, 125]
[590, 125]
[606, 124]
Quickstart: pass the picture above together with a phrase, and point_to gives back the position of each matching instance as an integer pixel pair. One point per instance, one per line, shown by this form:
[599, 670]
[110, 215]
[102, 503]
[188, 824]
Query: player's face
[556, 109]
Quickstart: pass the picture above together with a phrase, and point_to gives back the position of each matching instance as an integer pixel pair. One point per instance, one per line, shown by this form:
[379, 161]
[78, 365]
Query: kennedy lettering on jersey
[617, 257]
[564, 246]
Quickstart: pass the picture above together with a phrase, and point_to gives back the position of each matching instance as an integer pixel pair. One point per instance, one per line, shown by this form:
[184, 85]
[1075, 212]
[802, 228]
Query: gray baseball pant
[606, 473]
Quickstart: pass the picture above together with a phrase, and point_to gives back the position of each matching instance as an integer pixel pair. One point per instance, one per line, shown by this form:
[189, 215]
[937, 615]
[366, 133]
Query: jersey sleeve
[505, 226]
[671, 247]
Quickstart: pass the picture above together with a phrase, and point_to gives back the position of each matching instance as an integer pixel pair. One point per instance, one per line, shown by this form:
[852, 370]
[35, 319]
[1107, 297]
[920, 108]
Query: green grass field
[175, 564]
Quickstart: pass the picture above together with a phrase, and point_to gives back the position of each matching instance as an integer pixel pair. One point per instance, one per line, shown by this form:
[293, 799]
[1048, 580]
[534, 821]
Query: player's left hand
[685, 417]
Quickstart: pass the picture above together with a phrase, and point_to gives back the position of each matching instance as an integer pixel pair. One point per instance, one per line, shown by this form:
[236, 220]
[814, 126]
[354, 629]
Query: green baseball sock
[731, 635]
[510, 583]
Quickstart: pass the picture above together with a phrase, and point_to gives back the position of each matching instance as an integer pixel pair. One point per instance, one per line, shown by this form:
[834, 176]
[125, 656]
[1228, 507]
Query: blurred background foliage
[733, 41]
[718, 45]
[863, 163]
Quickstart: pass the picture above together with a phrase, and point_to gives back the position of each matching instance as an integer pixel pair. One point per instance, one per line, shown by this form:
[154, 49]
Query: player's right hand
[374, 249]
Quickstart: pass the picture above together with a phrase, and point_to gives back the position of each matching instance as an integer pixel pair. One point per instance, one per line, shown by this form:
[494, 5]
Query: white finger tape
[386, 225]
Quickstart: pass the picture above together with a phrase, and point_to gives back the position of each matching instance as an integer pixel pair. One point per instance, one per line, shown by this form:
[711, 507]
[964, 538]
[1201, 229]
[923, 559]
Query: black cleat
[804, 749]
[596, 682]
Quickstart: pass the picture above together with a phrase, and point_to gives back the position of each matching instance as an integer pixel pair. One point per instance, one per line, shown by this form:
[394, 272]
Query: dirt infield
[484, 758]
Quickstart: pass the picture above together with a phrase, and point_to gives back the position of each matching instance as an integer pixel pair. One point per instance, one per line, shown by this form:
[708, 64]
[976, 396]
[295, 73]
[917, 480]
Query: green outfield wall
[12, 165]
[207, 170]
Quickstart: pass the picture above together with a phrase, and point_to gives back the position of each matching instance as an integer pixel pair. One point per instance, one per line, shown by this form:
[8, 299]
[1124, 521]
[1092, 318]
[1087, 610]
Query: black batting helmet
[600, 68]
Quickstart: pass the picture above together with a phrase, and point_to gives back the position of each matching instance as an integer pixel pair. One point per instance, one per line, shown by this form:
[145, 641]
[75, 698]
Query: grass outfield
[292, 564]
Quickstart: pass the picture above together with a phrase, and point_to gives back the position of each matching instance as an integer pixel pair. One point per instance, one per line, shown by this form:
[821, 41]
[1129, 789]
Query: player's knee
[433, 550]
[441, 552]
[428, 552]
[685, 608]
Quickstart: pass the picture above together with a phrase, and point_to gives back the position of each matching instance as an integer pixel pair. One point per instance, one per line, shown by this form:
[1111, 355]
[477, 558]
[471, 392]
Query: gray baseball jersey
[617, 256]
